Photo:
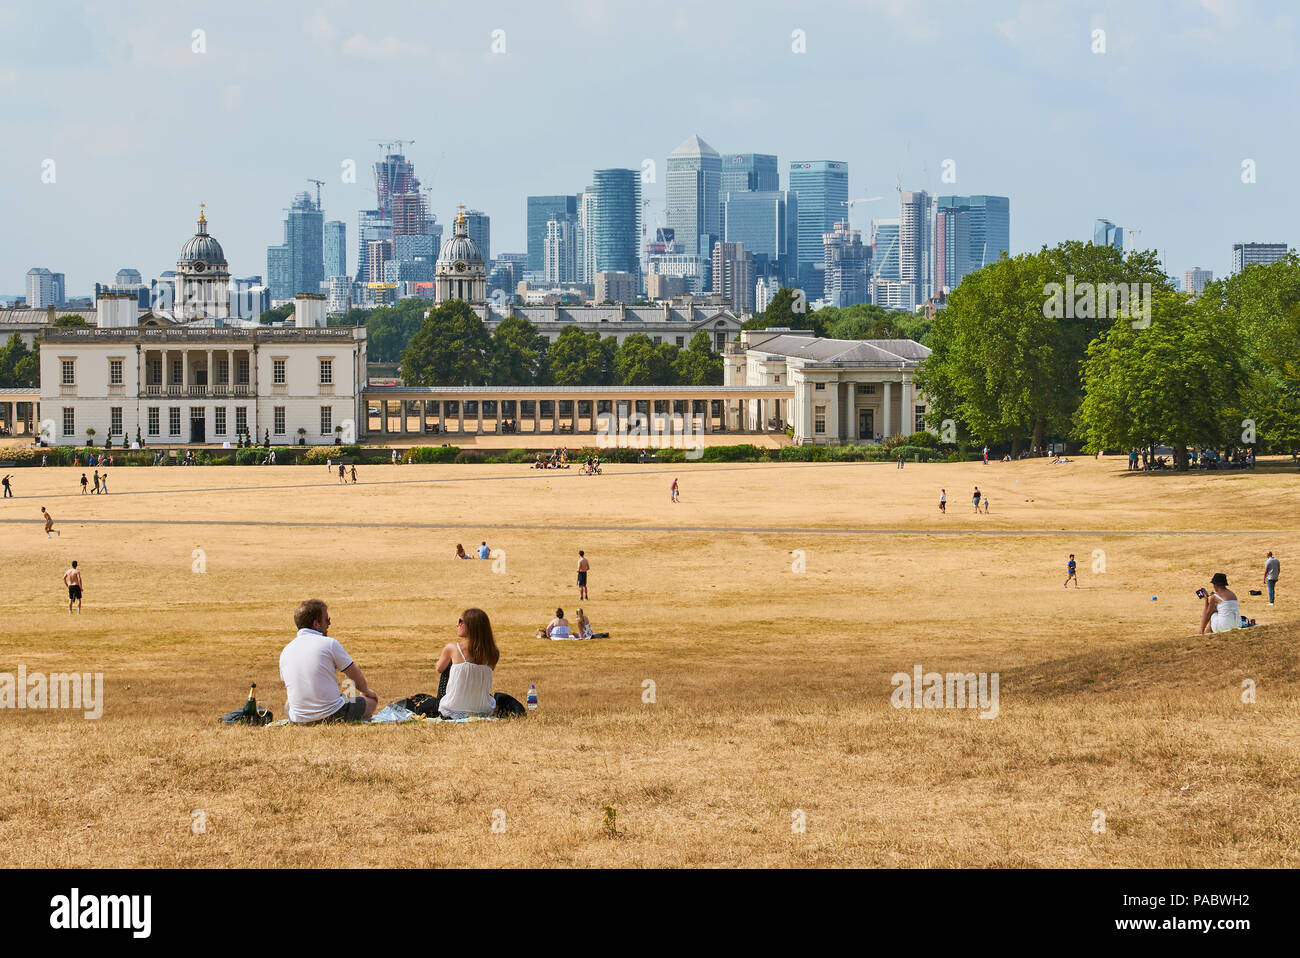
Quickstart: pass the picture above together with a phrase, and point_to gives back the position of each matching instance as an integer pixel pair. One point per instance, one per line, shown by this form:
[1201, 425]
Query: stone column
[555, 416]
[885, 431]
[853, 410]
[383, 417]
[807, 414]
[479, 407]
[906, 415]
[460, 415]
[537, 416]
[833, 412]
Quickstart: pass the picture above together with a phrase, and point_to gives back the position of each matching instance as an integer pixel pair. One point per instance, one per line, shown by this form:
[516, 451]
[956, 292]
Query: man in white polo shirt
[308, 665]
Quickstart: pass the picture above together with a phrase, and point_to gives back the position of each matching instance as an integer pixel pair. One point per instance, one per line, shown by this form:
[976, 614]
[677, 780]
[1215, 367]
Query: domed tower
[460, 272]
[202, 278]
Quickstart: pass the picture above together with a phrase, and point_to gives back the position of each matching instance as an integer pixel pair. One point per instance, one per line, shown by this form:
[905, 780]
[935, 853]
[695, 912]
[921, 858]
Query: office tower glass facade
[767, 222]
[617, 233]
[822, 187]
[541, 210]
[691, 190]
[336, 248]
[479, 226]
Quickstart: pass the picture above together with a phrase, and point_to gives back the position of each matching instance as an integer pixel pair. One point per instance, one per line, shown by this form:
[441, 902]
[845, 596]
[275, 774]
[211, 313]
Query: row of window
[153, 420]
[864, 389]
[819, 420]
[68, 372]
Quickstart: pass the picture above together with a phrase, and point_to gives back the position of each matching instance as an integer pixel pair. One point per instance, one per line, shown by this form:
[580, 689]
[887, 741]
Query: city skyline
[88, 93]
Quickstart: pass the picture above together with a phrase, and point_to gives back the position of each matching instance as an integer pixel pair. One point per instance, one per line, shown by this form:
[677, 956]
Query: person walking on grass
[975, 498]
[103, 483]
[1071, 570]
[343, 479]
[354, 474]
[583, 567]
[49, 523]
[96, 492]
[1271, 569]
[674, 491]
[84, 484]
[986, 504]
[72, 579]
[9, 493]
[943, 500]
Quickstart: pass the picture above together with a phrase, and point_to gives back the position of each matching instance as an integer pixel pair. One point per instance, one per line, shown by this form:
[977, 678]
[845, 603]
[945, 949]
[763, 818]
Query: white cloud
[359, 45]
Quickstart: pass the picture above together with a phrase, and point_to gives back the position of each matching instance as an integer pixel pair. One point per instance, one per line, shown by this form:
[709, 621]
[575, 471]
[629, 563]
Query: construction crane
[852, 203]
[1129, 233]
[319, 184]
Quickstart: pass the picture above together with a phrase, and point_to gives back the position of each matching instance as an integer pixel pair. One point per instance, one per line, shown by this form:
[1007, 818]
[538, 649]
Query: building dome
[460, 248]
[201, 247]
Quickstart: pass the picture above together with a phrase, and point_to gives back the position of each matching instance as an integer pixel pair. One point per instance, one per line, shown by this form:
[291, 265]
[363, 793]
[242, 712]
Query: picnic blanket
[395, 714]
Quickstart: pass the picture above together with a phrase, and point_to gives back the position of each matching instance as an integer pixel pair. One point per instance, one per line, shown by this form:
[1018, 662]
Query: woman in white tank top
[1221, 612]
[467, 668]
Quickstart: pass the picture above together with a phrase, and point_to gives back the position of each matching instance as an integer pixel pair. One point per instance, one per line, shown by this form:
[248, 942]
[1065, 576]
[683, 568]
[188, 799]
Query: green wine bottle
[250, 707]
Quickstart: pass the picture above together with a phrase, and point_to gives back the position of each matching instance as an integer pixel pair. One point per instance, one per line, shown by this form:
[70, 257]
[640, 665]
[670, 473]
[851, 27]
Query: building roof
[694, 146]
[693, 315]
[863, 352]
[459, 247]
[202, 247]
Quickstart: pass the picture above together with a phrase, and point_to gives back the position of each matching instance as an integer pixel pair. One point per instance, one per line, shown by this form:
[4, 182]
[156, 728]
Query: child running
[49, 523]
[1071, 570]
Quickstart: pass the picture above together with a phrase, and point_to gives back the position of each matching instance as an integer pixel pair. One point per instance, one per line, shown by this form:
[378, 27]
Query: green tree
[1005, 359]
[518, 355]
[1175, 382]
[70, 319]
[641, 363]
[698, 364]
[577, 358]
[390, 329]
[19, 366]
[1263, 303]
[788, 309]
[277, 315]
[451, 348]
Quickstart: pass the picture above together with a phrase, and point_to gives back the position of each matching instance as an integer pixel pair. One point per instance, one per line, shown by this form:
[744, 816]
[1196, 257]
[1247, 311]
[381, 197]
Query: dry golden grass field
[772, 686]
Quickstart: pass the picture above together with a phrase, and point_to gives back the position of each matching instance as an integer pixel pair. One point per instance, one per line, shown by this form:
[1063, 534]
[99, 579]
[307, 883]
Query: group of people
[483, 551]
[92, 459]
[561, 628]
[1221, 611]
[559, 459]
[342, 471]
[591, 466]
[101, 484]
[310, 662]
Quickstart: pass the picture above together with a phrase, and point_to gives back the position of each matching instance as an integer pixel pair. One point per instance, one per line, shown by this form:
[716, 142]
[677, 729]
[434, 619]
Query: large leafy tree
[1005, 361]
[698, 364]
[20, 367]
[452, 348]
[390, 329]
[641, 363]
[1174, 382]
[577, 358]
[70, 319]
[1263, 303]
[518, 355]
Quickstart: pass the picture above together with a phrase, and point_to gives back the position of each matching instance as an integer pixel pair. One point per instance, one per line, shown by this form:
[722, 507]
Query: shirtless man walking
[49, 524]
[583, 567]
[72, 579]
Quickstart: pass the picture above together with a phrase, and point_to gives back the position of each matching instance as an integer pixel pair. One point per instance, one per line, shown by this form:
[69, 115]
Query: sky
[118, 125]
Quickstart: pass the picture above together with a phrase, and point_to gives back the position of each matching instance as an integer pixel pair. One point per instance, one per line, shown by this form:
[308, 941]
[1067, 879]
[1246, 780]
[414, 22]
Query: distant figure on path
[72, 579]
[1271, 569]
[103, 483]
[49, 522]
[84, 484]
[900, 460]
[354, 474]
[674, 491]
[343, 479]
[9, 493]
[583, 567]
[1071, 572]
[943, 500]
[986, 455]
[986, 504]
[976, 498]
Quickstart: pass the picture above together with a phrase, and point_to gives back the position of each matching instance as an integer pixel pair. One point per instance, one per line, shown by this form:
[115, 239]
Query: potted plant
[90, 436]
[302, 436]
[338, 435]
[266, 440]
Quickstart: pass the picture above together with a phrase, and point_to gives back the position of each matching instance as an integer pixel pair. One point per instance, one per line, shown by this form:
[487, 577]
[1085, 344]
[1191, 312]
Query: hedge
[433, 454]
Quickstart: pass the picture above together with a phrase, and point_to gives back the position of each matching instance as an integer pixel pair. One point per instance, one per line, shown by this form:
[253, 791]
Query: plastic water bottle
[532, 697]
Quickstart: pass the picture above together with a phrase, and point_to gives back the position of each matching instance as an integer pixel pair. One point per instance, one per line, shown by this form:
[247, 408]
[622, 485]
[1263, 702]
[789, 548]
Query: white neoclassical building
[841, 390]
[195, 375]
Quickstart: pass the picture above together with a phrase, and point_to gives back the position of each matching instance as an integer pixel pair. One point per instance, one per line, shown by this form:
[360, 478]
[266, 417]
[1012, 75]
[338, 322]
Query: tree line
[452, 347]
[1035, 346]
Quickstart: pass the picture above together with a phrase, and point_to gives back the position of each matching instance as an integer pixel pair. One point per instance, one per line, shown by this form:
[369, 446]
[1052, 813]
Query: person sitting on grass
[308, 665]
[1221, 613]
[557, 628]
[583, 625]
[465, 667]
[460, 552]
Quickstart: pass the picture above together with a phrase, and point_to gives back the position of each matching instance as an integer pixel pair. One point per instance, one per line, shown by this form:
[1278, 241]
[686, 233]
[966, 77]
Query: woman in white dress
[466, 666]
[1221, 612]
